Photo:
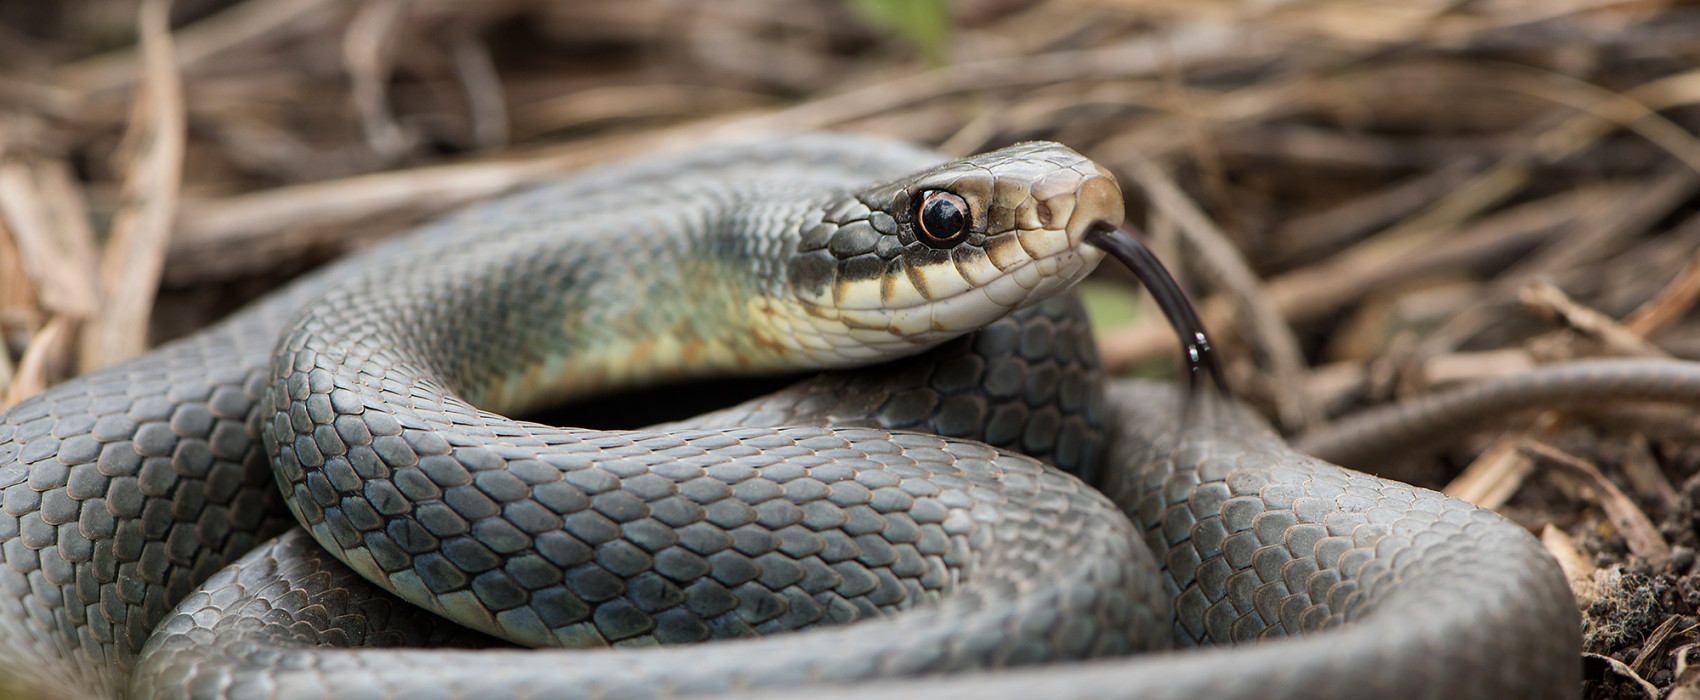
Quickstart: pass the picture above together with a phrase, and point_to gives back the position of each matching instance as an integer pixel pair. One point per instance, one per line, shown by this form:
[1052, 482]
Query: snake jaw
[864, 277]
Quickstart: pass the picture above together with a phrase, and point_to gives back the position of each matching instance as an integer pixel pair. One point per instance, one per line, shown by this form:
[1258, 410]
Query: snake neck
[694, 289]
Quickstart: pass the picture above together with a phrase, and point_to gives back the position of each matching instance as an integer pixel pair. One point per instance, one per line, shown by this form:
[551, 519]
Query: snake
[268, 508]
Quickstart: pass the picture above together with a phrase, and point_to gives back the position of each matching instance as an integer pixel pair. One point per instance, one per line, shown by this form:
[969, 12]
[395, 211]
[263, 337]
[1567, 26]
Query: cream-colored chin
[837, 337]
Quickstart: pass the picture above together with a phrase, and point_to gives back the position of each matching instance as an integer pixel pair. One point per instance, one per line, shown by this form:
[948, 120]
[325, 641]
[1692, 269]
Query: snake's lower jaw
[1038, 273]
[1027, 283]
[1053, 274]
[818, 335]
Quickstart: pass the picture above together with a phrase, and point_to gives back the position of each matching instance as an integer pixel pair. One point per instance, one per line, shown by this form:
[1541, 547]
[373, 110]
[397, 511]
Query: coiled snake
[139, 500]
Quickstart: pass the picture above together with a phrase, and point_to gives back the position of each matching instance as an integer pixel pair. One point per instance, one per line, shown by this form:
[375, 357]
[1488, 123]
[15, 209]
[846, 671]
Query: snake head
[902, 266]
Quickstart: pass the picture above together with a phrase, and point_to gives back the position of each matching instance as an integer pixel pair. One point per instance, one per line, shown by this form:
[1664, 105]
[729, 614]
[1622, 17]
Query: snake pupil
[943, 217]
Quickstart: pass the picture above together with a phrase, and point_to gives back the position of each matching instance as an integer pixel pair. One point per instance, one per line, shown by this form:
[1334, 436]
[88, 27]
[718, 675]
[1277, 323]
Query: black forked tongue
[1121, 244]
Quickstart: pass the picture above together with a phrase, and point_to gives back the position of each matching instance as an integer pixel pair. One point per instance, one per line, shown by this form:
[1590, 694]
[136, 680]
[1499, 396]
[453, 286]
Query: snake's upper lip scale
[1121, 244]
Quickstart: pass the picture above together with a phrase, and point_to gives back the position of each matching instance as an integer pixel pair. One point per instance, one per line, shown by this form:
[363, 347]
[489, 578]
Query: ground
[1370, 199]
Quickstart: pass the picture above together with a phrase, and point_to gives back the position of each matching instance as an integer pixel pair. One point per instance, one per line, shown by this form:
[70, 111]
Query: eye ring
[942, 218]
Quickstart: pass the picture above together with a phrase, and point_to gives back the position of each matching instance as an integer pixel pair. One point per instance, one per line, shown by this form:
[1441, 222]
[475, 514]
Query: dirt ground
[1370, 199]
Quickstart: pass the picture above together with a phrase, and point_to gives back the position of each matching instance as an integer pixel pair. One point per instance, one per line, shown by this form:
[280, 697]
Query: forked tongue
[1196, 352]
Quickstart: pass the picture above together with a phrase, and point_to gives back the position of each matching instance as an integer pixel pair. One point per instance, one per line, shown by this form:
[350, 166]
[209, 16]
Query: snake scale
[140, 502]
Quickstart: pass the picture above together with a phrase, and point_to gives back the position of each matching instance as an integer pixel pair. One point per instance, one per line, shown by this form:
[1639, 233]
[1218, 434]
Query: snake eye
[943, 217]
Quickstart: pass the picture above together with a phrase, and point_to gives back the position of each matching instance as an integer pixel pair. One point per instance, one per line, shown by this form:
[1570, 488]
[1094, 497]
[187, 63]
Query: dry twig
[129, 273]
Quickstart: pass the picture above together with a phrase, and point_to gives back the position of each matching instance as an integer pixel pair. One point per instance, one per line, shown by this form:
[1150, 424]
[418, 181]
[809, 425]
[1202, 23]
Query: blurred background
[1368, 199]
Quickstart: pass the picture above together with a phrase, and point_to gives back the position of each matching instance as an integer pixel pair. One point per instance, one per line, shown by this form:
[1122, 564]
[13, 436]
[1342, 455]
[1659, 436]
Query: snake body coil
[379, 410]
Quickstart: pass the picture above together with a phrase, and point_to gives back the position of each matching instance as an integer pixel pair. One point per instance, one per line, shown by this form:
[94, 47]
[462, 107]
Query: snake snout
[1097, 204]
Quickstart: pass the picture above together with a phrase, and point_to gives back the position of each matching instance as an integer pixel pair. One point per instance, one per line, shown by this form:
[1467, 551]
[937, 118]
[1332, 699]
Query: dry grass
[1371, 197]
